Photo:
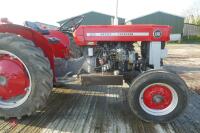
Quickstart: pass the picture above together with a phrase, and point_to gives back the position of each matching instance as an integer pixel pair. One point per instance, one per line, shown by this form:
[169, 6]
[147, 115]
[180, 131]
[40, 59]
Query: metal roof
[93, 12]
[155, 13]
[161, 18]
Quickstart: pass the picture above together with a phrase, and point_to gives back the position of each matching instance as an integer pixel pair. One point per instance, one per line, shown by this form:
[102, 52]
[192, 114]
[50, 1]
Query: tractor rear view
[32, 60]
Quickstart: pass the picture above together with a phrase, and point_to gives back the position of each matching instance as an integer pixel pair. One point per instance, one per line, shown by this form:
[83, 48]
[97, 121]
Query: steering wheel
[71, 25]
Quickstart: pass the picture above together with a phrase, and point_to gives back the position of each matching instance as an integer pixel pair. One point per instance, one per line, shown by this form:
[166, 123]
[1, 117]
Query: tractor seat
[35, 27]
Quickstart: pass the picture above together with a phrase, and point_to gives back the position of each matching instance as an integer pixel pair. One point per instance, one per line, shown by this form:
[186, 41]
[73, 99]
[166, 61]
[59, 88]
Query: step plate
[97, 79]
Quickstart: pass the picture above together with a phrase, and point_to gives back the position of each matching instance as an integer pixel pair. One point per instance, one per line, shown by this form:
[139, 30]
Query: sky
[52, 11]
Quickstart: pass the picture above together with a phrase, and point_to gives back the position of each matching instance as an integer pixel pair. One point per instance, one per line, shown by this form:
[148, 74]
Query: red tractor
[32, 60]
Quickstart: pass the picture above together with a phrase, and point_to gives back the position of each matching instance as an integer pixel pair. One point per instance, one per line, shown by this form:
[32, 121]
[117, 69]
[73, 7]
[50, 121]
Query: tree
[192, 15]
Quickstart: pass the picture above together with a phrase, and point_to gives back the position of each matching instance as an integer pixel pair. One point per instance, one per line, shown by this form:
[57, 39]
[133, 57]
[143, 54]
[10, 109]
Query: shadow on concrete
[98, 109]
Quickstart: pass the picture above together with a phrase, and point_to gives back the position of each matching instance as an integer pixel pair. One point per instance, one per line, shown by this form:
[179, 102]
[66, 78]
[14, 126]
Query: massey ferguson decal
[157, 33]
[118, 34]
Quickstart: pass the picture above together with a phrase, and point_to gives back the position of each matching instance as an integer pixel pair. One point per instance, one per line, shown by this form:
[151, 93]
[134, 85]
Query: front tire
[29, 77]
[158, 96]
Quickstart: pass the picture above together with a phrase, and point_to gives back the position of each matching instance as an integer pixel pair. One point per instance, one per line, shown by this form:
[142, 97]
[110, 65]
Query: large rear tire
[158, 96]
[33, 67]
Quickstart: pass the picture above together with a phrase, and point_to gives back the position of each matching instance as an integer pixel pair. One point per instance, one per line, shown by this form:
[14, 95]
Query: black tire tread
[43, 77]
[141, 79]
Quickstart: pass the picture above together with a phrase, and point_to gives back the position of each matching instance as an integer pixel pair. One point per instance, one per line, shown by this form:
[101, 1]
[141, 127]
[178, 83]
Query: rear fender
[29, 34]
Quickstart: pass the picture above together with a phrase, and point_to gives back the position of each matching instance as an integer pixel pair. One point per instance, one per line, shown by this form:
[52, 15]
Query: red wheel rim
[14, 80]
[158, 99]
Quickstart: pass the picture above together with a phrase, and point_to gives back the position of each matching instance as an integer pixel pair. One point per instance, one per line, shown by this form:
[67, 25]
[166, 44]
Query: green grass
[191, 39]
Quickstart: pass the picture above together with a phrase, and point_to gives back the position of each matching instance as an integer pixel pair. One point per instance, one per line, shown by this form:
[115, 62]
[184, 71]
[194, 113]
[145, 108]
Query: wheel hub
[13, 77]
[14, 80]
[158, 99]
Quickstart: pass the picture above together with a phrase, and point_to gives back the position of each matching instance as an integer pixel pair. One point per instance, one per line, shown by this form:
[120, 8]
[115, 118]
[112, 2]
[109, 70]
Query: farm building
[96, 18]
[163, 18]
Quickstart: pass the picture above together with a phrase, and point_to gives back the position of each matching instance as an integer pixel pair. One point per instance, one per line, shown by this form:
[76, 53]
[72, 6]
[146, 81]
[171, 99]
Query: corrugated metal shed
[96, 18]
[191, 30]
[161, 18]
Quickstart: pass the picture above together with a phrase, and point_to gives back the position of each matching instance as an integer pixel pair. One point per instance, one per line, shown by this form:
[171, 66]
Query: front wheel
[158, 96]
